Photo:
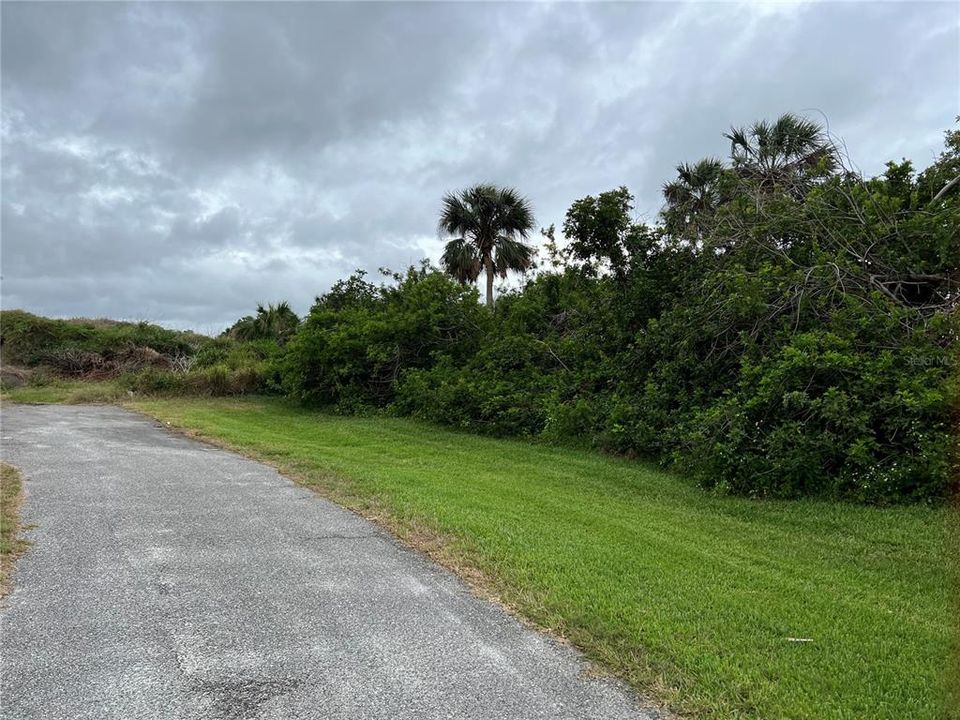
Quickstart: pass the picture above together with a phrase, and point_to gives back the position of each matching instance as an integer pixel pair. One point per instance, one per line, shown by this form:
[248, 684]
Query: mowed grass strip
[70, 392]
[11, 544]
[720, 607]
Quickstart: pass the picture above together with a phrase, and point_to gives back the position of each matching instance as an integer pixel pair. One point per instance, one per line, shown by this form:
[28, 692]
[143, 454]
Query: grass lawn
[690, 597]
[11, 545]
[66, 391]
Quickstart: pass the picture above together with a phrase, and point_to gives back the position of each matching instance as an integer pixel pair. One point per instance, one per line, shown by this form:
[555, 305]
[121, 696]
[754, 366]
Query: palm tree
[489, 225]
[244, 329]
[278, 321]
[694, 196]
[791, 152]
[273, 321]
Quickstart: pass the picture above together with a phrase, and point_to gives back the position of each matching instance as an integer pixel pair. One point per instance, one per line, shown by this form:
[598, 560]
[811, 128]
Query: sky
[179, 163]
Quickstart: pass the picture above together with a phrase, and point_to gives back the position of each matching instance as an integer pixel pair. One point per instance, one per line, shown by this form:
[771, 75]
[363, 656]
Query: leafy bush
[500, 391]
[824, 417]
[275, 323]
[234, 354]
[359, 339]
[792, 337]
[151, 381]
[149, 359]
[798, 345]
[214, 381]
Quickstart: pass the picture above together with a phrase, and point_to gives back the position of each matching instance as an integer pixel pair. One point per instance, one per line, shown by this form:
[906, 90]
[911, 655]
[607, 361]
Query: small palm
[792, 151]
[273, 321]
[694, 195]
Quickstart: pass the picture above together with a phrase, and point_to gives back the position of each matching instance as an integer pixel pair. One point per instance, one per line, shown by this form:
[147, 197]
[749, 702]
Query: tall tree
[489, 225]
[601, 232]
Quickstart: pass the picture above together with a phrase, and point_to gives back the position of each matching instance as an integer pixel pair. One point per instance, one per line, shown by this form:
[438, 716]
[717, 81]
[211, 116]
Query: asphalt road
[169, 579]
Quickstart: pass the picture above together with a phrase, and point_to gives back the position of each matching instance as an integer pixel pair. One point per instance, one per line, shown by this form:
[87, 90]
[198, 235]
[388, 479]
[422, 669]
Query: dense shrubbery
[142, 357]
[214, 380]
[501, 390]
[787, 329]
[78, 347]
[275, 323]
[359, 338]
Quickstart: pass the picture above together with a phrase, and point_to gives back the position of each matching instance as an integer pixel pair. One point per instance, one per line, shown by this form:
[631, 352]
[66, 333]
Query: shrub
[823, 416]
[502, 390]
[575, 421]
[152, 381]
[213, 380]
[234, 354]
[359, 339]
[251, 379]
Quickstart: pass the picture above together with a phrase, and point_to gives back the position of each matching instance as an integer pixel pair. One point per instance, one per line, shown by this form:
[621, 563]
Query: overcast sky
[181, 162]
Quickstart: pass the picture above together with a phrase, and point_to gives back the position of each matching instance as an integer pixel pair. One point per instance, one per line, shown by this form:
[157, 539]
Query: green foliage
[499, 391]
[32, 340]
[787, 328]
[251, 366]
[359, 338]
[823, 416]
[273, 322]
[787, 155]
[214, 380]
[154, 382]
[145, 358]
[694, 197]
[234, 354]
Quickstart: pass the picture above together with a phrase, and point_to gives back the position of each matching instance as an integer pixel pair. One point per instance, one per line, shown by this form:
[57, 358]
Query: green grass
[66, 391]
[11, 545]
[688, 596]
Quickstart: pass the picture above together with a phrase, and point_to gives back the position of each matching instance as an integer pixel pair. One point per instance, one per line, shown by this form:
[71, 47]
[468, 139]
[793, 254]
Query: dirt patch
[13, 377]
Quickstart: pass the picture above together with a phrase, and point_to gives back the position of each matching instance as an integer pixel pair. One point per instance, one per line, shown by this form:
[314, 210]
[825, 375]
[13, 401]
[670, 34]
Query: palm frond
[461, 260]
[512, 254]
[515, 213]
[457, 215]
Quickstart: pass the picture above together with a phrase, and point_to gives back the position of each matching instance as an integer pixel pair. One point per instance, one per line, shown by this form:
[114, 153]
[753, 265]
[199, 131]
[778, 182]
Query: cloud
[180, 162]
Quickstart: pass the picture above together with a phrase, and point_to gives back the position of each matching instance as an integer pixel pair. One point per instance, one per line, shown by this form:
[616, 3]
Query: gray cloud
[180, 162]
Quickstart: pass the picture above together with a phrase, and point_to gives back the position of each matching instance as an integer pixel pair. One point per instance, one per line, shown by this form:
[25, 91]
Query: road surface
[170, 579]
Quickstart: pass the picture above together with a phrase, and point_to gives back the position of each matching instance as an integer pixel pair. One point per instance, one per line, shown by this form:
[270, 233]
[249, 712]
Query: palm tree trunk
[489, 265]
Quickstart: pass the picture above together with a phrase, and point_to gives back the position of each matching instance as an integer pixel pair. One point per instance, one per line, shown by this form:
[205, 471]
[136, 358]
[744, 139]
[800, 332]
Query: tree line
[786, 327]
